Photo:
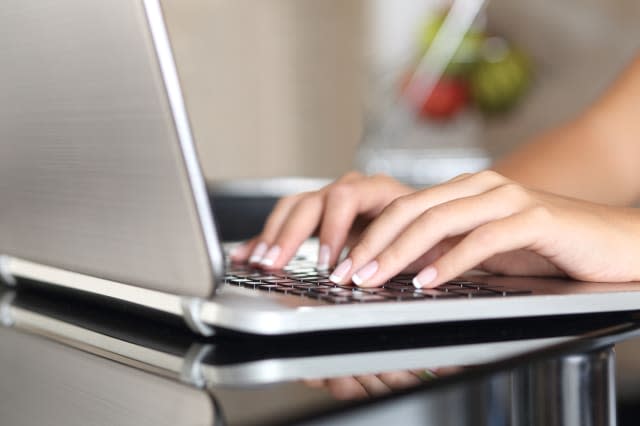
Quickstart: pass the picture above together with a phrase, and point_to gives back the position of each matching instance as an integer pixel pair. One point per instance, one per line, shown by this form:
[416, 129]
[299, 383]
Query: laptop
[101, 192]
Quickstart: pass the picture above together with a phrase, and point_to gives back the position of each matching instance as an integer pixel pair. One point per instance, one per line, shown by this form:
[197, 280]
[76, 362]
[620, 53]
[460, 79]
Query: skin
[371, 385]
[368, 385]
[552, 208]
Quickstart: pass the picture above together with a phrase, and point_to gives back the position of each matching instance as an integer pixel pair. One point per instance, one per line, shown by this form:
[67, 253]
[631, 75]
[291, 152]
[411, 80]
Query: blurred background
[306, 87]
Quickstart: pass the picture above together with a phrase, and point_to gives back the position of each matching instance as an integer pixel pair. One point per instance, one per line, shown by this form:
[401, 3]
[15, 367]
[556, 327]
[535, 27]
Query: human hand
[371, 385]
[486, 221]
[339, 212]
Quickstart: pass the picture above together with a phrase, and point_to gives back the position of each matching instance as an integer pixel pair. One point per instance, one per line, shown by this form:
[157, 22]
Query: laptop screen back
[94, 149]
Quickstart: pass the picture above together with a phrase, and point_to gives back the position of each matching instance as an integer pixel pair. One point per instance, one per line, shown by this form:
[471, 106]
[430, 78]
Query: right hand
[339, 212]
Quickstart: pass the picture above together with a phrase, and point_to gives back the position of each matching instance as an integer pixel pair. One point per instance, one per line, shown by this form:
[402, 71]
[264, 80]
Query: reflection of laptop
[101, 191]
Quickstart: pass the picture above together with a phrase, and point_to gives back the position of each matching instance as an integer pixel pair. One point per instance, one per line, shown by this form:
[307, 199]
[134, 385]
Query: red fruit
[448, 97]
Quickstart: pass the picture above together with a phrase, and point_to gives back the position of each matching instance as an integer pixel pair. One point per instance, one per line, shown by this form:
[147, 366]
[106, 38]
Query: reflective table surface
[72, 360]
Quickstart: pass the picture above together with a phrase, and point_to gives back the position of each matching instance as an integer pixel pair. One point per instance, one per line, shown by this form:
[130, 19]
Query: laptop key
[374, 290]
[469, 292]
[370, 298]
[297, 292]
[398, 286]
[305, 287]
[249, 284]
[267, 287]
[474, 285]
[402, 295]
[280, 281]
[337, 299]
[514, 292]
[437, 294]
[407, 281]
[239, 281]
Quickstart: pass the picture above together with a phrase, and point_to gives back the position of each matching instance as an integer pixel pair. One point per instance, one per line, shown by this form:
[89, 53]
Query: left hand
[502, 228]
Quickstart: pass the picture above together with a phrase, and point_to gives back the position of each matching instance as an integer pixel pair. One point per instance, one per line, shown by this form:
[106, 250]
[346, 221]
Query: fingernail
[258, 252]
[323, 257]
[365, 272]
[340, 271]
[272, 255]
[425, 277]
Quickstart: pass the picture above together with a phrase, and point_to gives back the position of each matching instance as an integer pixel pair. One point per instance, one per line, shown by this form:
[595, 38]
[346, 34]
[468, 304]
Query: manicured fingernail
[258, 252]
[365, 272]
[425, 277]
[272, 255]
[323, 257]
[340, 271]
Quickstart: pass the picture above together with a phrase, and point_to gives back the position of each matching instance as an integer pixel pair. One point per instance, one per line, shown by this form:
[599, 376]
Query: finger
[300, 225]
[272, 226]
[345, 388]
[434, 253]
[373, 385]
[399, 379]
[438, 223]
[242, 251]
[344, 202]
[296, 220]
[522, 230]
[400, 213]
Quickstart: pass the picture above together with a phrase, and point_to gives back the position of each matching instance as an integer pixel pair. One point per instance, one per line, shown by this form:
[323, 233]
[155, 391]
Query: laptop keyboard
[301, 278]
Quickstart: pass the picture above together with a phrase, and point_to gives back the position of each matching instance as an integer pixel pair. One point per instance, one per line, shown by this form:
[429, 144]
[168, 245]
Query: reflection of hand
[340, 211]
[485, 219]
[364, 386]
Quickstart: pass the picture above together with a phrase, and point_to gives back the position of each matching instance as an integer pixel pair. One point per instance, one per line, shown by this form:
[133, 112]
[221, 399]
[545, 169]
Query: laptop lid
[98, 171]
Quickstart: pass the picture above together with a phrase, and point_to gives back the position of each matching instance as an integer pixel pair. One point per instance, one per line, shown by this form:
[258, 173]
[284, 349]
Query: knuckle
[398, 205]
[513, 191]
[380, 176]
[540, 214]
[490, 176]
[429, 219]
[382, 179]
[435, 214]
[353, 174]
[310, 200]
[462, 176]
[341, 191]
[285, 202]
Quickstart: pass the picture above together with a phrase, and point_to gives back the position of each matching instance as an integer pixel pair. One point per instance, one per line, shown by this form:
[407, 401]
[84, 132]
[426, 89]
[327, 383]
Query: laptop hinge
[192, 367]
[5, 275]
[191, 307]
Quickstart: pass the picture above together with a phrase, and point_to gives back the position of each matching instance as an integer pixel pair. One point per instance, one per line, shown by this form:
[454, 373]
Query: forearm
[572, 161]
[595, 157]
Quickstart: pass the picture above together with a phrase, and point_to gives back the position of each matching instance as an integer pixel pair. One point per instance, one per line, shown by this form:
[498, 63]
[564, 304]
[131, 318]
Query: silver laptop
[101, 192]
